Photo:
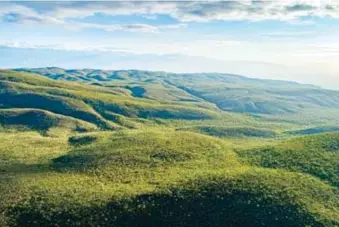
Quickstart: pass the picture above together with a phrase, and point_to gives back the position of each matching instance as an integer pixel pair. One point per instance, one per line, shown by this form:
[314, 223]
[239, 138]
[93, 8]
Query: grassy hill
[132, 148]
[152, 178]
[41, 120]
[317, 155]
[89, 103]
[228, 92]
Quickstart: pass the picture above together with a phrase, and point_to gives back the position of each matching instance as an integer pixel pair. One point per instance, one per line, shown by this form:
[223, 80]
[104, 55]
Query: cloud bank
[68, 14]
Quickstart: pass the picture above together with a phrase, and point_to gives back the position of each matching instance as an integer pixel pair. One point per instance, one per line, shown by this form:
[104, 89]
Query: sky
[287, 40]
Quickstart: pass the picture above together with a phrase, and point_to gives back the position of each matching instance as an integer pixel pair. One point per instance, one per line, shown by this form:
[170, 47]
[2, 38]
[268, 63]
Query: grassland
[152, 178]
[316, 155]
[75, 154]
[226, 91]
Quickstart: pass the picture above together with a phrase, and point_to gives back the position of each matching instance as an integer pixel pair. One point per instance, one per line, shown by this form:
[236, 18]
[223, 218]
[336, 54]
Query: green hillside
[41, 120]
[228, 92]
[317, 155]
[89, 103]
[153, 178]
[231, 131]
[315, 130]
[133, 148]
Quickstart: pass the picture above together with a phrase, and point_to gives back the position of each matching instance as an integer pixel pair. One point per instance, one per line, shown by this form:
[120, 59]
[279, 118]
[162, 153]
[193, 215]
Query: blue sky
[289, 40]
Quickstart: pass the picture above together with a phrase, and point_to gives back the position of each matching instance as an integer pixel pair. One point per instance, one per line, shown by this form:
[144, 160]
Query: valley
[138, 148]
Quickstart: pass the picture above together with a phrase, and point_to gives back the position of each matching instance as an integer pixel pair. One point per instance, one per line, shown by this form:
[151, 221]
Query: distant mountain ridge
[227, 92]
[98, 75]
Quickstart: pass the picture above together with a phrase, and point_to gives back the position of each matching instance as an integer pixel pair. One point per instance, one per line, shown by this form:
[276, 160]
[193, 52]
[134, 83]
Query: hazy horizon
[290, 40]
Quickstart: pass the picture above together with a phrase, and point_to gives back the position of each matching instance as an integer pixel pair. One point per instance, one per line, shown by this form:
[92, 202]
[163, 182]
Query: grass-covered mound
[221, 131]
[151, 178]
[253, 197]
[317, 155]
[140, 148]
[41, 120]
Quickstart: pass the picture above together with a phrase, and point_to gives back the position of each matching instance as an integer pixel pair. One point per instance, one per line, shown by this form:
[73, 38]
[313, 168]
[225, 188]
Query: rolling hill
[316, 155]
[94, 104]
[135, 148]
[228, 92]
[41, 120]
[152, 178]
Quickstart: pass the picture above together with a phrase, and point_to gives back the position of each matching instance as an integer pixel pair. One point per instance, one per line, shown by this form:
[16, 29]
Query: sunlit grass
[81, 155]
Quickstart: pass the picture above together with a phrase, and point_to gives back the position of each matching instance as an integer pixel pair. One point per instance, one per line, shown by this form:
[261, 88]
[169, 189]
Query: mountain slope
[94, 104]
[41, 120]
[152, 178]
[228, 92]
[317, 155]
[97, 75]
[141, 150]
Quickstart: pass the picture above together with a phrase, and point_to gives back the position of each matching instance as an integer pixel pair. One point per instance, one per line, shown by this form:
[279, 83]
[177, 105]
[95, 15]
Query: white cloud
[16, 13]
[193, 11]
[64, 13]
[284, 34]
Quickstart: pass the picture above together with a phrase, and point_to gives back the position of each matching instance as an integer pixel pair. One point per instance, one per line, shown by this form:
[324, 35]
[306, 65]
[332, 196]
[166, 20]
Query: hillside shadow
[206, 206]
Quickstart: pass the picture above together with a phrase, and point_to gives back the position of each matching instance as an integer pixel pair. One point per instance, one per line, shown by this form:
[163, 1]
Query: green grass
[231, 131]
[41, 120]
[138, 148]
[317, 155]
[152, 178]
[121, 154]
[314, 130]
[87, 102]
[227, 92]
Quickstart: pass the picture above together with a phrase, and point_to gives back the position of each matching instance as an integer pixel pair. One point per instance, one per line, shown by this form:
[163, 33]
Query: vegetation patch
[82, 140]
[251, 198]
[144, 148]
[316, 155]
[315, 130]
[41, 120]
[231, 131]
